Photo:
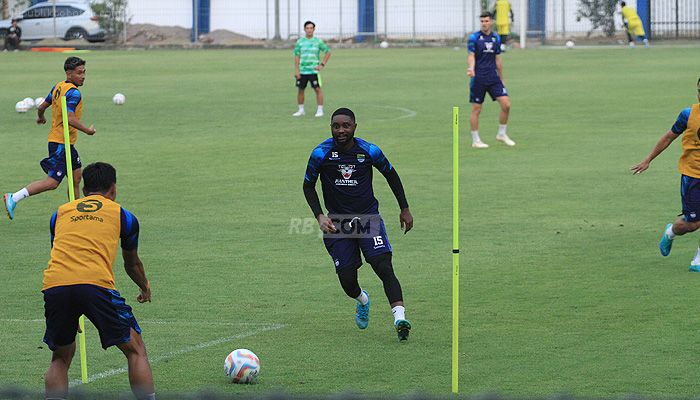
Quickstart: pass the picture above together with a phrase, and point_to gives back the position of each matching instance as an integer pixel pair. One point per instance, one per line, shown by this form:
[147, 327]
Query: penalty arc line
[173, 354]
[408, 112]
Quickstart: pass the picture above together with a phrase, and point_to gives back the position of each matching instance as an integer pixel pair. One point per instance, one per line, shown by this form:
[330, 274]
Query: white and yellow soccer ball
[119, 99]
[38, 101]
[242, 366]
[570, 44]
[21, 107]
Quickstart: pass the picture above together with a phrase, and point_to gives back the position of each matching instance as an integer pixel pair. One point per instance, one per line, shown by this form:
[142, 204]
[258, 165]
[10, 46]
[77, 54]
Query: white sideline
[173, 354]
[261, 327]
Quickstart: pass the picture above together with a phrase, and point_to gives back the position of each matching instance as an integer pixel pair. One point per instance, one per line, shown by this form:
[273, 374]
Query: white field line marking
[173, 354]
[408, 112]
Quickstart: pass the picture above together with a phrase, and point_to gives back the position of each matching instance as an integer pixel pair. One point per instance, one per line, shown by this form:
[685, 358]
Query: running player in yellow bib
[504, 17]
[687, 127]
[633, 24]
[55, 164]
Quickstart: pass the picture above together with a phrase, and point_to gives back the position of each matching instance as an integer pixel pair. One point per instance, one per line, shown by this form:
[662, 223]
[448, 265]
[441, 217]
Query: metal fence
[675, 19]
[399, 20]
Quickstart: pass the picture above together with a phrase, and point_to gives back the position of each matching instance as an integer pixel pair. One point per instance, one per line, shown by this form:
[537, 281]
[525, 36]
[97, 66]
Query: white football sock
[151, 396]
[320, 109]
[362, 298]
[475, 137]
[696, 260]
[669, 232]
[22, 194]
[399, 313]
[502, 130]
[301, 107]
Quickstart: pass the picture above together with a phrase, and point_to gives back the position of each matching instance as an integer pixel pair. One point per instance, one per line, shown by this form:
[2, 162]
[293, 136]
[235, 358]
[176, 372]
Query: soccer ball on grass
[119, 99]
[242, 366]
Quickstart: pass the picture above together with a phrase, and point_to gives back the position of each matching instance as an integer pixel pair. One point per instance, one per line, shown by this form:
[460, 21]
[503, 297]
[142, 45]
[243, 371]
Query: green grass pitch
[562, 286]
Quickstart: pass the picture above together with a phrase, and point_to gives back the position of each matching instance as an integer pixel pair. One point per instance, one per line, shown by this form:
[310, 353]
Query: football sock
[502, 130]
[22, 194]
[475, 137]
[301, 107]
[696, 260]
[669, 232]
[320, 109]
[399, 313]
[363, 298]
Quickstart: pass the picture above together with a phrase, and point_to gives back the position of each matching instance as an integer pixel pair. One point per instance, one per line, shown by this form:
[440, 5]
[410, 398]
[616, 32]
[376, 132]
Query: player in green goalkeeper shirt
[308, 64]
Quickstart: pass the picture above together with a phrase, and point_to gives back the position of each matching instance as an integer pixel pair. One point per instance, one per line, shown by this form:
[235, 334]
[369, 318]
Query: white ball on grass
[119, 99]
[570, 44]
[38, 101]
[384, 44]
[29, 102]
[21, 107]
[242, 366]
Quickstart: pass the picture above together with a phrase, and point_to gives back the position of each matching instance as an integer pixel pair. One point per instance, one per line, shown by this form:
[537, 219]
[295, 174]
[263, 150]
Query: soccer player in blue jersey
[687, 125]
[485, 68]
[55, 164]
[353, 224]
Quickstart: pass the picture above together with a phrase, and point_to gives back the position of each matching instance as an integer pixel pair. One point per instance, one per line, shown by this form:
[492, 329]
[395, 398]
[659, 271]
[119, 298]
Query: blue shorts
[345, 252]
[55, 164]
[478, 89]
[105, 308]
[690, 198]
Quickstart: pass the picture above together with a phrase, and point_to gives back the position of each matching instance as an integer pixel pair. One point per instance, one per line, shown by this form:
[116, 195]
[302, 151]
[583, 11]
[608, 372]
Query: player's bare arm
[134, 268]
[471, 61]
[75, 123]
[499, 68]
[323, 63]
[660, 146]
[40, 118]
[297, 60]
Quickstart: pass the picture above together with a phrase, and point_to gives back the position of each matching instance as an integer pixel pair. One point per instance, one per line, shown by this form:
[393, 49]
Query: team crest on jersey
[361, 158]
[489, 47]
[346, 170]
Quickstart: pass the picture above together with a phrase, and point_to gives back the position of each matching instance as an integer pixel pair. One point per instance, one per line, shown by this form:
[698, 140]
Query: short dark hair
[344, 111]
[73, 63]
[99, 177]
[309, 22]
[622, 3]
[486, 14]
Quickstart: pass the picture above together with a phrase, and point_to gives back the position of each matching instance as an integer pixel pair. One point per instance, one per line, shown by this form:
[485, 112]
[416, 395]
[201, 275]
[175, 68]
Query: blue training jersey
[485, 48]
[346, 177]
[681, 123]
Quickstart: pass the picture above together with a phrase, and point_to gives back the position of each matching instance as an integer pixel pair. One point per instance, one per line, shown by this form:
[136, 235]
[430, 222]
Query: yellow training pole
[455, 249]
[71, 197]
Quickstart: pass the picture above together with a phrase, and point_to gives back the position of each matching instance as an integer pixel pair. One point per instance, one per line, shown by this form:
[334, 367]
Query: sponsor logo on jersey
[88, 206]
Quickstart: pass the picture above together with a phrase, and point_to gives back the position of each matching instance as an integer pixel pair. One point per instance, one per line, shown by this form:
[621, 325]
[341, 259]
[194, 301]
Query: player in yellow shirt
[79, 281]
[55, 164]
[504, 17]
[687, 126]
[633, 23]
